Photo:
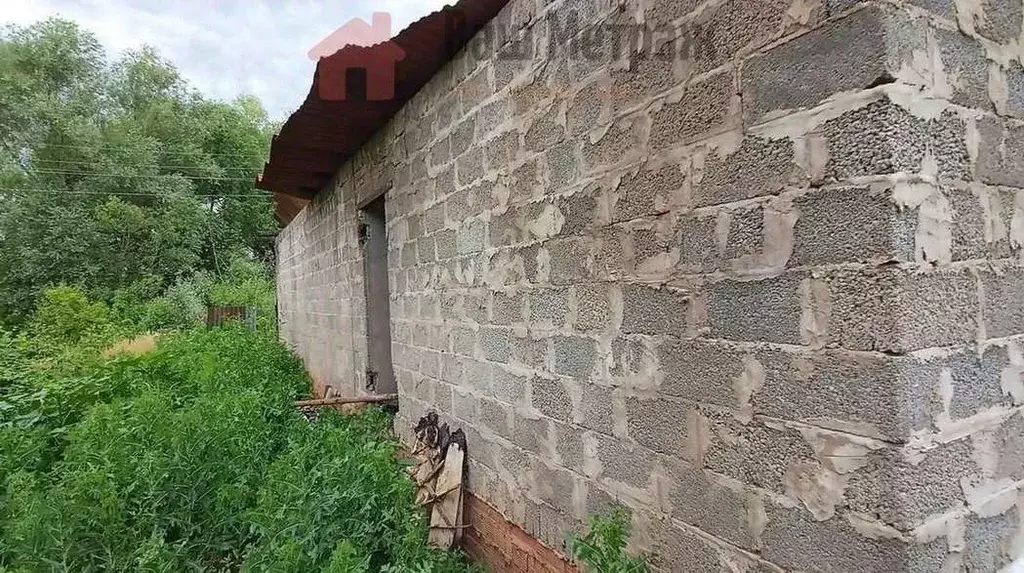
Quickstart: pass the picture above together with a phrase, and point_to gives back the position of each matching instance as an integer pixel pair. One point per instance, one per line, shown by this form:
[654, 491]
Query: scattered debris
[439, 478]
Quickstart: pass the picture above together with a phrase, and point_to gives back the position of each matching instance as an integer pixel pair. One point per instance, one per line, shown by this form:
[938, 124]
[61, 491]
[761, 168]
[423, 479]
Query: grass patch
[191, 456]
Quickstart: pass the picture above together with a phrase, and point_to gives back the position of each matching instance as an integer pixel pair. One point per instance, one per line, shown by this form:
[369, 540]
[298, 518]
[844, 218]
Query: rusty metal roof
[322, 134]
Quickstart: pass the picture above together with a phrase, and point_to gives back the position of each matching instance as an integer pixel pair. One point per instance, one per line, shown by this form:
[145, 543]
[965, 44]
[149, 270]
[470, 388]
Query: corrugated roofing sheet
[322, 134]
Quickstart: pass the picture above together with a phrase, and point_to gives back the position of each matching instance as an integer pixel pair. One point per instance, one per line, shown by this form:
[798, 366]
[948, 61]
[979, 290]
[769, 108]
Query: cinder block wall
[768, 295]
[321, 301]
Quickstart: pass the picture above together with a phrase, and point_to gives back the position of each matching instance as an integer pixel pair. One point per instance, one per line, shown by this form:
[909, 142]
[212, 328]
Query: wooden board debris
[444, 519]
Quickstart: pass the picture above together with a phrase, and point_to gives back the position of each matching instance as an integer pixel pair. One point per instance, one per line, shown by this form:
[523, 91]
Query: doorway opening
[373, 237]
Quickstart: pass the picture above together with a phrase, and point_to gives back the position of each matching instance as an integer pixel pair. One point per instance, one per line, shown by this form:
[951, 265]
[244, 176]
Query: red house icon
[358, 46]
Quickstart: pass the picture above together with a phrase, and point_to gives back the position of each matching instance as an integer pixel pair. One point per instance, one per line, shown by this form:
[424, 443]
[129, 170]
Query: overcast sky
[224, 47]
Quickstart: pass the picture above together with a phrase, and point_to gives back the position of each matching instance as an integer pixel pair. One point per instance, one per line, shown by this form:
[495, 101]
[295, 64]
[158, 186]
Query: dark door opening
[380, 373]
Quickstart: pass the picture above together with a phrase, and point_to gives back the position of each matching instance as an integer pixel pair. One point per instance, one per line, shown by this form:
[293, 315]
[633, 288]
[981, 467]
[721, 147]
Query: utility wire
[123, 193]
[92, 149]
[135, 176]
[141, 165]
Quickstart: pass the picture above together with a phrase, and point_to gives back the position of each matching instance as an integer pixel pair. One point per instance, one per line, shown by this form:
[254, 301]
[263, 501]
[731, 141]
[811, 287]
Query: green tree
[116, 173]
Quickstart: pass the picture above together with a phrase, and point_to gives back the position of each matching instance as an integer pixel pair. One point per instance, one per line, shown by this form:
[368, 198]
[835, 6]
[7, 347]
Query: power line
[108, 147]
[137, 176]
[140, 165]
[125, 193]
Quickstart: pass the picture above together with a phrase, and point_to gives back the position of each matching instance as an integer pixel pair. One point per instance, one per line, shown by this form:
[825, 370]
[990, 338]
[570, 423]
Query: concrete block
[587, 107]
[507, 308]
[549, 525]
[425, 252]
[622, 143]
[649, 192]
[991, 540]
[661, 13]
[699, 251]
[702, 371]
[531, 435]
[882, 138]
[1000, 20]
[905, 493]
[706, 108]
[525, 183]
[966, 65]
[895, 310]
[551, 398]
[754, 454]
[530, 352]
[652, 311]
[765, 310]
[502, 150]
[555, 486]
[871, 395]
[624, 463]
[1015, 90]
[563, 164]
[1001, 152]
[758, 167]
[463, 136]
[853, 53]
[678, 548]
[495, 344]
[444, 183]
[649, 74]
[569, 258]
[433, 220]
[574, 356]
[1003, 290]
[580, 211]
[746, 233]
[596, 409]
[470, 166]
[968, 381]
[445, 245]
[505, 386]
[1009, 448]
[476, 88]
[569, 446]
[699, 499]
[471, 236]
[545, 132]
[549, 307]
[852, 224]
[495, 416]
[794, 540]
[593, 308]
[440, 153]
[649, 249]
[734, 28]
[658, 424]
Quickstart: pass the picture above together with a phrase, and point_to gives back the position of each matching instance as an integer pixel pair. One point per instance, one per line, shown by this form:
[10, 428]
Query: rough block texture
[768, 294]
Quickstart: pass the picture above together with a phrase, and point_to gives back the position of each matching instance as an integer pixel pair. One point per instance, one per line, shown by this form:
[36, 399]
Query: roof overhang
[322, 134]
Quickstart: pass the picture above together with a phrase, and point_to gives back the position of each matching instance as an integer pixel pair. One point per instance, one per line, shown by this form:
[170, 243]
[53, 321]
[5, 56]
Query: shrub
[66, 317]
[193, 457]
[603, 547]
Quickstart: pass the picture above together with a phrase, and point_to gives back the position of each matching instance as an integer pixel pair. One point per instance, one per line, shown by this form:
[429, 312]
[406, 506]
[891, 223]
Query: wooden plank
[444, 519]
[338, 400]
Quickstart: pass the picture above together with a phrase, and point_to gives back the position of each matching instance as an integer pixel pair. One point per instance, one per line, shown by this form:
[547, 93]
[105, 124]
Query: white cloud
[224, 47]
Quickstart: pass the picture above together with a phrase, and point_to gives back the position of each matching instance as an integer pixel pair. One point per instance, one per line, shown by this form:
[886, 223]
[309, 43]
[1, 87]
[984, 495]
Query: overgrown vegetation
[116, 177]
[602, 549]
[191, 457]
